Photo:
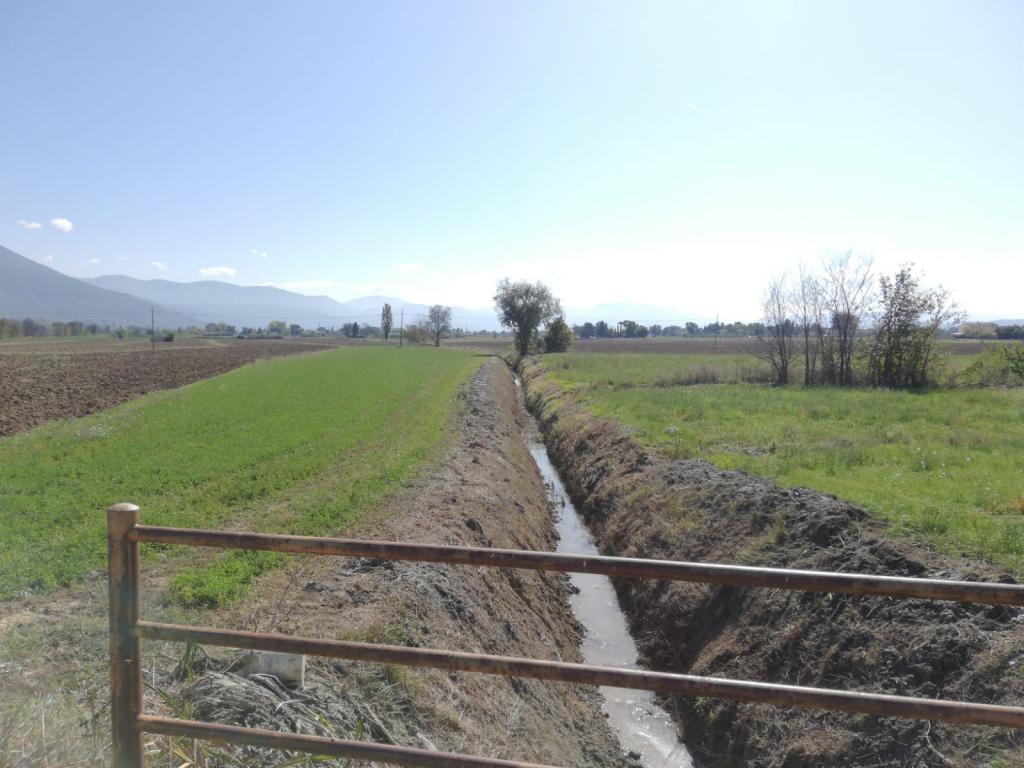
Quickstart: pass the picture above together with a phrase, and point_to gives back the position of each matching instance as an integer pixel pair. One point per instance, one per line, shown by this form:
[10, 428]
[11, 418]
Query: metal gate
[127, 630]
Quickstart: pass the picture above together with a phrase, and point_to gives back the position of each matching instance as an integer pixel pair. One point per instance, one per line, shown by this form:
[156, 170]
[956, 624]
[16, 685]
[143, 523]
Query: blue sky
[675, 154]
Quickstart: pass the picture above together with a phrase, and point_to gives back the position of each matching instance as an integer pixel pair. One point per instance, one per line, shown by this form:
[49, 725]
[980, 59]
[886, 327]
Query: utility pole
[152, 326]
[401, 327]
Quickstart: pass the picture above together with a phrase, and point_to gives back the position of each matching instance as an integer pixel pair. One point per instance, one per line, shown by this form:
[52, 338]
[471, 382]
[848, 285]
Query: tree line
[12, 328]
[821, 319]
[630, 329]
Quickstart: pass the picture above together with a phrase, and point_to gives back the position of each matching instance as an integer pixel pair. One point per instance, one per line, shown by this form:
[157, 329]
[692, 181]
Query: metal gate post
[125, 655]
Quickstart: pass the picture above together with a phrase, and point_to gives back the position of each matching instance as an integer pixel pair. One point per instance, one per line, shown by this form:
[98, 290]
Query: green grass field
[945, 464]
[302, 445]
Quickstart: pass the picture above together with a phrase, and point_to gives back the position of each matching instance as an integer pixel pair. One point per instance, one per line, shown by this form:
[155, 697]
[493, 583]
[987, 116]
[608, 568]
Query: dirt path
[641, 505]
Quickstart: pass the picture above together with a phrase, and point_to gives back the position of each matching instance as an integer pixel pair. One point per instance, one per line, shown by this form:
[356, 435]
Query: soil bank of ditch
[638, 504]
[486, 492]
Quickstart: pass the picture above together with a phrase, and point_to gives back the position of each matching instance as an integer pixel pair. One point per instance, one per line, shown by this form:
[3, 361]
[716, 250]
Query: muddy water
[644, 728]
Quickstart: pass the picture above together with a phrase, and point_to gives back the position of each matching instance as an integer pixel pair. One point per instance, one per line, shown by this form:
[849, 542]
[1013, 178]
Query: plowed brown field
[45, 381]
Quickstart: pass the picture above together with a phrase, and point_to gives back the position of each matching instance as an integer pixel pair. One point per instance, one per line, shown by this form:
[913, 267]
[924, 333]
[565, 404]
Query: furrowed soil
[46, 381]
[639, 504]
[485, 492]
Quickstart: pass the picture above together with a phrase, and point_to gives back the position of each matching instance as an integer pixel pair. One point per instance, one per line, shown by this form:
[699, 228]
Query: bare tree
[848, 285]
[777, 338]
[440, 321]
[807, 303]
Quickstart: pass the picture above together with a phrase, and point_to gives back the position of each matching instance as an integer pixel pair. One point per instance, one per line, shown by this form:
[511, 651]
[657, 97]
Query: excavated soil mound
[640, 505]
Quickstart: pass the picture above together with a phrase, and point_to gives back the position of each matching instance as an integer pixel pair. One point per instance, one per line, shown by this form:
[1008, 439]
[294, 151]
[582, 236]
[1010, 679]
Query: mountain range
[30, 289]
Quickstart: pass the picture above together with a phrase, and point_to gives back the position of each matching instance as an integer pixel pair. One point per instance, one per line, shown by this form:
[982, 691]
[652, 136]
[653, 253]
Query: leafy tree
[901, 353]
[558, 337]
[440, 321]
[656, 330]
[386, 321]
[601, 329]
[279, 327]
[525, 307]
[692, 329]
[295, 329]
[587, 331]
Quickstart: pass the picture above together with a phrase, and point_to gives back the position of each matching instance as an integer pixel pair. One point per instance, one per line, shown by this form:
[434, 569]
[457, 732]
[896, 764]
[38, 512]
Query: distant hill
[212, 301]
[30, 289]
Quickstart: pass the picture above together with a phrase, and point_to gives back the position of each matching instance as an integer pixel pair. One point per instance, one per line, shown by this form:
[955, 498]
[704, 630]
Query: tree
[807, 301]
[524, 307]
[386, 321]
[601, 329]
[587, 331]
[440, 321]
[279, 327]
[847, 286]
[295, 329]
[558, 337]
[901, 352]
[778, 330]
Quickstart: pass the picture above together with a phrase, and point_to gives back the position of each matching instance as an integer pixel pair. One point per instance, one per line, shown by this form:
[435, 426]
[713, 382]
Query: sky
[678, 154]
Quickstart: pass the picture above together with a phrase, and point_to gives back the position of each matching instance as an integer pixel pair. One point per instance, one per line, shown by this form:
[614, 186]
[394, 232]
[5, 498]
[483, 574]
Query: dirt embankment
[36, 387]
[487, 492]
[641, 505]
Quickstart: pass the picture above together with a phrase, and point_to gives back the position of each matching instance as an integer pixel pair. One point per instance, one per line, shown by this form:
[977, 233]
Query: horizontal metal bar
[320, 745]
[625, 567]
[662, 682]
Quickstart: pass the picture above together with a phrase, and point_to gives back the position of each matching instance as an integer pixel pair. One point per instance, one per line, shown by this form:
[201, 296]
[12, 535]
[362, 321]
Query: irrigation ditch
[638, 504]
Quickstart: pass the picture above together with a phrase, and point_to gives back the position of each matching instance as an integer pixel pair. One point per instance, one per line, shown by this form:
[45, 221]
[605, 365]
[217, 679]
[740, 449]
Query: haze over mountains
[30, 289]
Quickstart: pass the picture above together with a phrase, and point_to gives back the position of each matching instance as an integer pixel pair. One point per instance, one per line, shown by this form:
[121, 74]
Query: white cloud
[93, 260]
[409, 266]
[62, 225]
[693, 107]
[24, 224]
[45, 259]
[218, 271]
[257, 252]
[161, 265]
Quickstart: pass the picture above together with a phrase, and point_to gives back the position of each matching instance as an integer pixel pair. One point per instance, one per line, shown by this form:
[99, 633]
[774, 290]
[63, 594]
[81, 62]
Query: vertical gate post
[125, 655]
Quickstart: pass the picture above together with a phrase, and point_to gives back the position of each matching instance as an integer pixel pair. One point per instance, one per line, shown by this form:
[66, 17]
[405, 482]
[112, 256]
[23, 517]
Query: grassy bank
[303, 445]
[946, 464]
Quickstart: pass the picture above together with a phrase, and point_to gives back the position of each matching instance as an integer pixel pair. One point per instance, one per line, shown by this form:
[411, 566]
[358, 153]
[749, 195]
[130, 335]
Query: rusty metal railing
[127, 630]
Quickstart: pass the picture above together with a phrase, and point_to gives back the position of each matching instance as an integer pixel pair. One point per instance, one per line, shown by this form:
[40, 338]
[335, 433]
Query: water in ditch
[642, 725]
